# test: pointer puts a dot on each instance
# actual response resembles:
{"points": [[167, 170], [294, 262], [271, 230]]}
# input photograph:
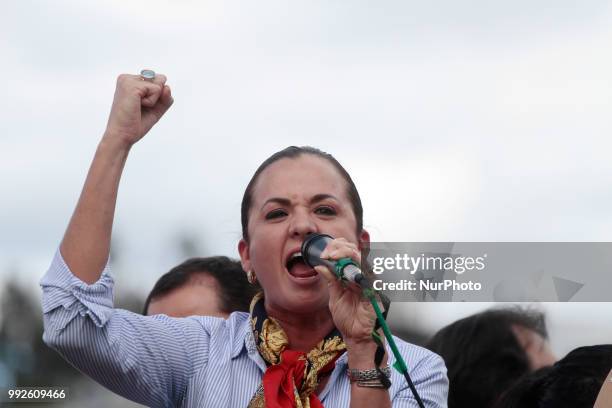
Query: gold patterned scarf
{"points": [[292, 377]]}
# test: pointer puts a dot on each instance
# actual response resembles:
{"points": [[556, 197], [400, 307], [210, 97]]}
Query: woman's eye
{"points": [[325, 211], [275, 214]]}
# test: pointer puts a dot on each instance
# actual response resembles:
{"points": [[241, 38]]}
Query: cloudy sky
{"points": [[459, 121]]}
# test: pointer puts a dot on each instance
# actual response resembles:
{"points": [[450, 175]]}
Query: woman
{"points": [[304, 333]]}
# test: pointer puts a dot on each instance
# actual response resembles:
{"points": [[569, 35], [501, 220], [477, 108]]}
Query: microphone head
{"points": [[312, 247]]}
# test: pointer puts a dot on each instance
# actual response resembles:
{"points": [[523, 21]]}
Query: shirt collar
{"points": [[242, 335], [243, 339]]}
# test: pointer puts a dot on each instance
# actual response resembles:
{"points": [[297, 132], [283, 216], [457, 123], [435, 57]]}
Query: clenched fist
{"points": [[137, 106]]}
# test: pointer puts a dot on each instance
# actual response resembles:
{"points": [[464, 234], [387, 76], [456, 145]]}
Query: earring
{"points": [[251, 277]]}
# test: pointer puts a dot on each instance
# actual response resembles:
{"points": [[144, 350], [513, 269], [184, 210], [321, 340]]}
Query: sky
{"points": [[458, 121]]}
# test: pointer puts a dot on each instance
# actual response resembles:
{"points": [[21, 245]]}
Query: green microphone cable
{"points": [[347, 270], [400, 364]]}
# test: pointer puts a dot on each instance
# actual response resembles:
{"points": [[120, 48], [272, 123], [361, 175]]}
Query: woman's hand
{"points": [[353, 315], [137, 106]]}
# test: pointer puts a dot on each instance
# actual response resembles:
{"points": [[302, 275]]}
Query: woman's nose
{"points": [[302, 225]]}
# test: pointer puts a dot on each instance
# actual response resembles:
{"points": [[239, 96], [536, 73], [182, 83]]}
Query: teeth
{"points": [[295, 255]]}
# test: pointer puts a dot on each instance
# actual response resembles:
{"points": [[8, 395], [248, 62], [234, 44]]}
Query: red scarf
{"points": [[292, 377]]}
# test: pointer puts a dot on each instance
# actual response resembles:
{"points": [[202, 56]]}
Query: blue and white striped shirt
{"points": [[161, 361]]}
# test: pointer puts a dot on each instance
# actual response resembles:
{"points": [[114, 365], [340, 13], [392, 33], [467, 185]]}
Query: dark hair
{"points": [[574, 381], [293, 152], [483, 355], [235, 292]]}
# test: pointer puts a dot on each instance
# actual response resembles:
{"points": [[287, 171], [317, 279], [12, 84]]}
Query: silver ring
{"points": [[147, 75]]}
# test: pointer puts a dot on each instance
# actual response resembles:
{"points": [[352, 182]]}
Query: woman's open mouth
{"points": [[298, 268]]}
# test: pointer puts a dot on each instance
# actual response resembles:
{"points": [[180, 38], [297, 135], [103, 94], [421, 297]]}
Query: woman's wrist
{"points": [[114, 142], [361, 354]]}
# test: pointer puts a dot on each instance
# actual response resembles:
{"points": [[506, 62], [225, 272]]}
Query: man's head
{"points": [[212, 286], [488, 352]]}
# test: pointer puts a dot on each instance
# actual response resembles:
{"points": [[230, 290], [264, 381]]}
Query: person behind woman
{"points": [[305, 329], [211, 286], [572, 382], [487, 352]]}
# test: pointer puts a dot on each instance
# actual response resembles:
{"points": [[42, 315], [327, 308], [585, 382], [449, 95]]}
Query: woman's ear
{"points": [[364, 247], [364, 244], [245, 259], [364, 239]]}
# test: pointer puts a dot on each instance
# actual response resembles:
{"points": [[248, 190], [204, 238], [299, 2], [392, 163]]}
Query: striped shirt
{"points": [[160, 361]]}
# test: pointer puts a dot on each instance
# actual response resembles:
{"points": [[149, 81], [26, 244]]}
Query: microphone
{"points": [[344, 268]]}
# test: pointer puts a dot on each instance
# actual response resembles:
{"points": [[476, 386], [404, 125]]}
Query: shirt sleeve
{"points": [[430, 380], [147, 359]]}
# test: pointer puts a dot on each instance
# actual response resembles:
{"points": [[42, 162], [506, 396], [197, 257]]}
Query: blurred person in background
{"points": [[488, 352], [572, 382], [212, 286]]}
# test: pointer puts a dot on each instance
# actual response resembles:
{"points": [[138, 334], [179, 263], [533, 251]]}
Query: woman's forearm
{"points": [[86, 243], [137, 106]]}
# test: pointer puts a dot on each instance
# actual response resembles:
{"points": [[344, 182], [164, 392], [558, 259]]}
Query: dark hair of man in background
{"points": [[233, 290], [484, 353], [573, 382]]}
